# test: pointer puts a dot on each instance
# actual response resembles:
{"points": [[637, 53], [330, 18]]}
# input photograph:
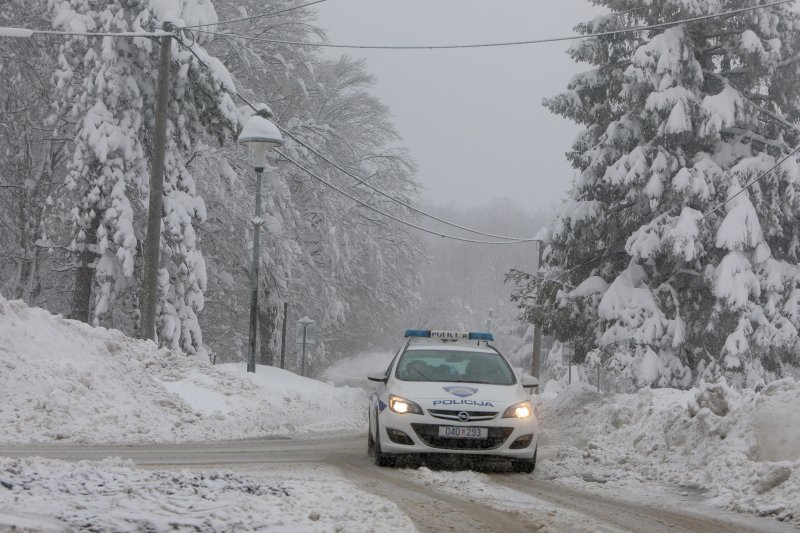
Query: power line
{"points": [[504, 43], [383, 213], [255, 17], [25, 32], [398, 200], [773, 167], [511, 240]]}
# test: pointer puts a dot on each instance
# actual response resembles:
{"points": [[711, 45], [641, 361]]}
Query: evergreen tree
{"points": [[108, 86], [677, 120]]}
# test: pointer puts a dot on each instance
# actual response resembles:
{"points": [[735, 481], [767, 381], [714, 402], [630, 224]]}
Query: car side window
{"points": [[396, 355]]}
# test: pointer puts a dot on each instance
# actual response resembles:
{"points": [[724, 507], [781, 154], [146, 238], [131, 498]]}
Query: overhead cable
{"points": [[383, 213], [763, 174], [511, 240], [504, 43], [25, 32], [398, 200], [256, 17]]}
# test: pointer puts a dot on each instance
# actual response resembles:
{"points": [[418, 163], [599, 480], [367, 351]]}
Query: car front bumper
{"points": [[422, 432]]}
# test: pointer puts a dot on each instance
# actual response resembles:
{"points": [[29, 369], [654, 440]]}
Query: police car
{"points": [[453, 393]]}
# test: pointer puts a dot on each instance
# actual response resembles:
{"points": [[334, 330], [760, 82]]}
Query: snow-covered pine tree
{"points": [[677, 120], [107, 85]]}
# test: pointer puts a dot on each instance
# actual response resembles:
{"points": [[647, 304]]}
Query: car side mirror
{"points": [[379, 378], [529, 382]]}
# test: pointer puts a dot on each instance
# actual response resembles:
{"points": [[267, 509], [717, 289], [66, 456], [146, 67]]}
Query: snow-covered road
{"points": [[433, 500]]}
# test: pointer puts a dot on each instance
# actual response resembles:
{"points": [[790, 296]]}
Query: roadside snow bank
{"points": [[353, 371], [112, 495], [740, 446], [62, 380]]}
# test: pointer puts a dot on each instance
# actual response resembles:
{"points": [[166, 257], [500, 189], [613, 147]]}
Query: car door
{"points": [[379, 391]]}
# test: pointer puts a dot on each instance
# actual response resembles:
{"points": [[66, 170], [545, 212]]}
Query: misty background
{"points": [[472, 118]]}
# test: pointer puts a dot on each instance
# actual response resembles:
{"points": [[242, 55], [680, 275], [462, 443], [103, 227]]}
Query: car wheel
{"points": [[525, 466], [381, 459], [370, 441]]}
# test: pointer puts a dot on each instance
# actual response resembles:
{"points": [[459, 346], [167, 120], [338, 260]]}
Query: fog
{"points": [[472, 118]]}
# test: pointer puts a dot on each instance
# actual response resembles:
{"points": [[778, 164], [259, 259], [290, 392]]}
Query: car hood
{"points": [[458, 395]]}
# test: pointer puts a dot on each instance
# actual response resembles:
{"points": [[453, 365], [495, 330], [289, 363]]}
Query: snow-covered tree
{"points": [[107, 86], [346, 267], [32, 154], [677, 120]]}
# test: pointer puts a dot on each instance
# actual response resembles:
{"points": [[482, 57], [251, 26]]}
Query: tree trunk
{"points": [[267, 318], [84, 278]]}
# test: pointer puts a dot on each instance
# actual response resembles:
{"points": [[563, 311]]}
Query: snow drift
{"points": [[111, 495], [62, 380], [738, 446]]}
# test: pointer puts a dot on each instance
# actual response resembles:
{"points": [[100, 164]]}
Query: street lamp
{"points": [[260, 135]]}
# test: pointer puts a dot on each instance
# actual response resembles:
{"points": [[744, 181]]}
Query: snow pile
{"points": [[354, 370], [45, 495], [739, 446], [62, 380]]}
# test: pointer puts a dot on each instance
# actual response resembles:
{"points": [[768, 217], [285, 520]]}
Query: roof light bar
{"points": [[450, 335]]}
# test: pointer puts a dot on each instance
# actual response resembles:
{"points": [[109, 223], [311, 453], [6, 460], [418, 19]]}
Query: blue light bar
{"points": [[480, 336], [418, 333]]}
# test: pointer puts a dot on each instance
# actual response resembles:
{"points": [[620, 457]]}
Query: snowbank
{"points": [[62, 380], [44, 495], [354, 370], [739, 446]]}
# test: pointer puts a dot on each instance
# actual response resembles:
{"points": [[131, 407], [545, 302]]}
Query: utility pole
{"points": [[537, 328], [283, 335], [152, 244]]}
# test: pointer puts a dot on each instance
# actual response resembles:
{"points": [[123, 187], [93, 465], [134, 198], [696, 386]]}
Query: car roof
{"points": [[450, 347]]}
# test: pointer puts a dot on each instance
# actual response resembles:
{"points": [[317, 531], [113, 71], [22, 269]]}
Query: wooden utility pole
{"points": [[537, 328], [152, 245]]}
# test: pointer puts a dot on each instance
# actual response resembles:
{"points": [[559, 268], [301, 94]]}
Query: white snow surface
{"points": [[737, 447], [111, 495], [354, 370], [62, 380]]}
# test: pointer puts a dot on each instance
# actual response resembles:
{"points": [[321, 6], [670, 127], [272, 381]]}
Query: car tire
{"points": [[525, 466], [370, 441], [381, 459]]}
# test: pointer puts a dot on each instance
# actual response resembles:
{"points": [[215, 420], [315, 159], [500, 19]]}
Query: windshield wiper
{"points": [[421, 374]]}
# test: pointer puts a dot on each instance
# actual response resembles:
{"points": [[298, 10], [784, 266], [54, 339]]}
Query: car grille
{"points": [[429, 433], [448, 414]]}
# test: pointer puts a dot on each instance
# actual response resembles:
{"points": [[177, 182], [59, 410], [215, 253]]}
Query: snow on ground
{"points": [[738, 447], [62, 380], [111, 495], [479, 487], [354, 370]]}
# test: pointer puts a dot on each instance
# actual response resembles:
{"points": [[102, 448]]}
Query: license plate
{"points": [[461, 432]]}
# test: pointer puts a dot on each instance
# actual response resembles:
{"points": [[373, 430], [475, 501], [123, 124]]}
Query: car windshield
{"points": [[454, 366]]}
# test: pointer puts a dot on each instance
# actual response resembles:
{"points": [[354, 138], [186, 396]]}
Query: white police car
{"points": [[452, 393]]}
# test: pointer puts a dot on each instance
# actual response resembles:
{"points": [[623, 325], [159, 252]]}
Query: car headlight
{"points": [[402, 406], [520, 410]]}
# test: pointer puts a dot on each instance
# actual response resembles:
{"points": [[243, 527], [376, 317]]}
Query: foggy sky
{"points": [[472, 119]]}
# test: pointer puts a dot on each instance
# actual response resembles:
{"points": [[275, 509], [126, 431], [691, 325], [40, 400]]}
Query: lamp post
{"points": [[260, 135]]}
